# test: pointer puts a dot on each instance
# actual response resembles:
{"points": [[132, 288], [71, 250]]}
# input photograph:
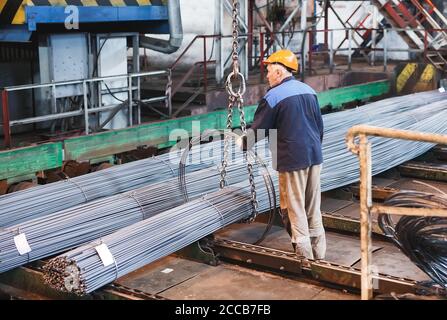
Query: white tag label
{"points": [[441, 89], [167, 270], [105, 254], [22, 244]]}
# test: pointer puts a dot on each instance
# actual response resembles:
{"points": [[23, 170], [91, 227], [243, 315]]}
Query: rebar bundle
{"points": [[149, 240], [66, 229], [46, 199], [82, 270], [63, 230], [42, 200], [341, 168]]}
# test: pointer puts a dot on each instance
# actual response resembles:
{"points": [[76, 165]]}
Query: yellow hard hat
{"points": [[285, 57]]}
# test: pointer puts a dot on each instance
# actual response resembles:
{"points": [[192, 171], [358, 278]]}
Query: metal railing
{"points": [[205, 61], [267, 39], [86, 109], [363, 150]]}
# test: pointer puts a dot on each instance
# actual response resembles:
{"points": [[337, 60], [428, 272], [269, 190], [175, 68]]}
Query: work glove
{"points": [[241, 142]]}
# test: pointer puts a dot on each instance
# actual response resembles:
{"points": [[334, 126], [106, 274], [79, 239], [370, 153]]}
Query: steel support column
{"points": [[6, 126]]}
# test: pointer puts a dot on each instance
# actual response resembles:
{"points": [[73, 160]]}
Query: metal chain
{"points": [[224, 163], [251, 178], [168, 92], [235, 98], [235, 54]]}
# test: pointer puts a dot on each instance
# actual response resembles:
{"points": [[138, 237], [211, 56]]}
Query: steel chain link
{"points": [[235, 98], [168, 91], [223, 170]]}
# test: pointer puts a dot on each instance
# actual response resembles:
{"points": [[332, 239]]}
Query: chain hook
{"points": [[236, 98], [229, 85]]}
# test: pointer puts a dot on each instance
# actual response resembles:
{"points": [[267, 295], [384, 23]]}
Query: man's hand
{"points": [[241, 142]]}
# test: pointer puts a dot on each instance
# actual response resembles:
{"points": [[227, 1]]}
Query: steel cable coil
{"points": [[422, 239]]}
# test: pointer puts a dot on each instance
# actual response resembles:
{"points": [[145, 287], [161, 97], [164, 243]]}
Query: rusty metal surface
{"points": [[352, 211], [3, 186], [350, 277], [431, 171], [340, 223], [343, 256], [382, 182], [230, 282], [367, 130], [378, 193], [163, 274], [344, 250], [259, 255], [247, 233], [330, 205], [11, 293], [341, 249], [363, 150], [27, 282], [320, 270], [390, 260], [422, 185], [440, 152]]}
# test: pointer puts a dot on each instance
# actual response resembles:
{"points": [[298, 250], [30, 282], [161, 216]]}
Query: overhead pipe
{"points": [[175, 32]]}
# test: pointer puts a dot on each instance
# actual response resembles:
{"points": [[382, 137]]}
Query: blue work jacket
{"points": [[292, 108]]}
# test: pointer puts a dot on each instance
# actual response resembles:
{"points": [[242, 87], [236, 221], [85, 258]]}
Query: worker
{"points": [[291, 108]]}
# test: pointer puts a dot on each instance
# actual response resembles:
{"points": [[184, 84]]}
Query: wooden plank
{"points": [[28, 160]]}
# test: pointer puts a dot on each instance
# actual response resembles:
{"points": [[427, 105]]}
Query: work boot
{"points": [[303, 251], [319, 246], [299, 256]]}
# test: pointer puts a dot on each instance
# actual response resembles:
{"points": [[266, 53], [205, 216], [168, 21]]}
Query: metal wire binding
{"points": [[79, 187]]}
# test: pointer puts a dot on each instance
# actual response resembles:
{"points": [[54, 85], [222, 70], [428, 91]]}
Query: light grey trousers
{"points": [[300, 196]]}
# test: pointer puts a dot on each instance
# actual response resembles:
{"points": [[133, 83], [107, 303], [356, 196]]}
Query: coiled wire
{"points": [[422, 239]]}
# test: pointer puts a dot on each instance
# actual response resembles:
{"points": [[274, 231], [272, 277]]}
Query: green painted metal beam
{"points": [[157, 134], [339, 96], [24, 161], [28, 160]]}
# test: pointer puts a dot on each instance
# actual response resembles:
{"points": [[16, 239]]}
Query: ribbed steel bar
{"points": [[81, 270], [48, 235], [54, 233], [46, 199]]}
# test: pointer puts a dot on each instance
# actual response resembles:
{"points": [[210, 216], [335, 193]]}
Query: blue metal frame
{"points": [[49, 14], [14, 33]]}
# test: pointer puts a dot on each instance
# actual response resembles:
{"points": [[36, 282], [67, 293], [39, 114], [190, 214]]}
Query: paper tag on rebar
{"points": [[22, 244], [105, 255], [167, 270]]}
